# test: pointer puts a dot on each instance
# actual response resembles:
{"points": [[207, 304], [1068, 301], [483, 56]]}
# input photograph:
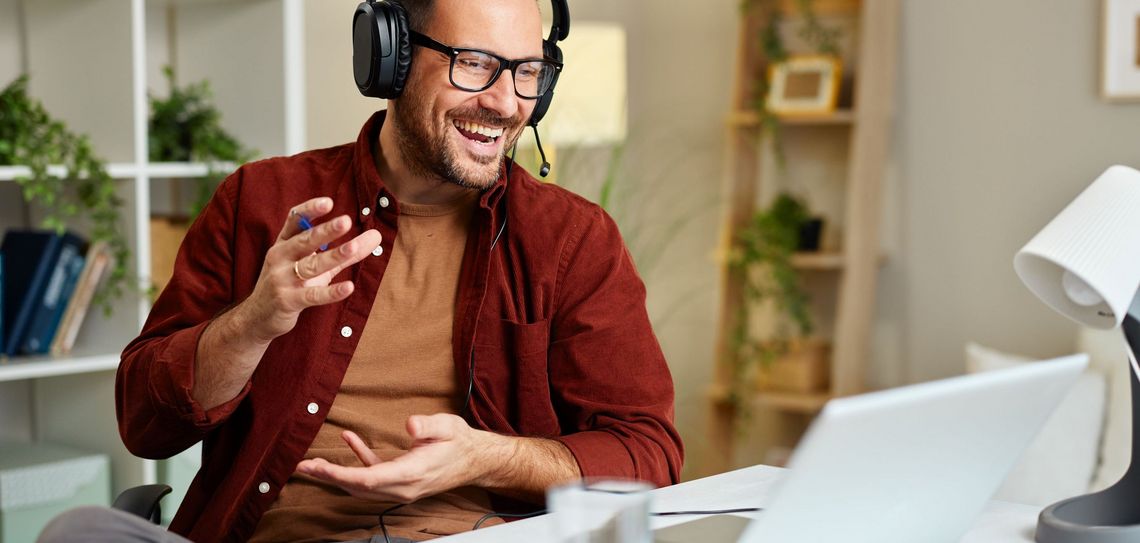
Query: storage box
{"points": [[804, 368], [39, 481]]}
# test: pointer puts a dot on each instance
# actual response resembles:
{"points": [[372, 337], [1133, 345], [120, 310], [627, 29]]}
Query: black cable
{"points": [[384, 528], [713, 512], [489, 516]]}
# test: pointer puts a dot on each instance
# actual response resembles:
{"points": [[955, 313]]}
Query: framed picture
{"points": [[1120, 51], [804, 85]]}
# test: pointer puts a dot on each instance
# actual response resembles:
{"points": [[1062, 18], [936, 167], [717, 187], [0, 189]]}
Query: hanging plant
{"points": [[30, 137], [762, 255], [823, 39], [187, 127]]}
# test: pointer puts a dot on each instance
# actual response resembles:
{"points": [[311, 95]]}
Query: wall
{"points": [[999, 126], [679, 84]]}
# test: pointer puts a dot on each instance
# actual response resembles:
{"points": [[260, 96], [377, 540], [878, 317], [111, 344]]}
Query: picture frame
{"points": [[804, 85], [1120, 51]]}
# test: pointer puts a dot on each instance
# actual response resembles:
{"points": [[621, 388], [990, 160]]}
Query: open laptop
{"points": [[915, 463]]}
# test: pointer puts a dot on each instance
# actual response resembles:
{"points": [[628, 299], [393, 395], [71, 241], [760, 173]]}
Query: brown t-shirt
{"points": [[402, 367]]}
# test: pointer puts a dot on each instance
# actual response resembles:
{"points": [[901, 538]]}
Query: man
{"points": [[467, 340]]}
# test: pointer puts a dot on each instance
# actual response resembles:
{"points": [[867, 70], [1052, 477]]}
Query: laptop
{"points": [[915, 463]]}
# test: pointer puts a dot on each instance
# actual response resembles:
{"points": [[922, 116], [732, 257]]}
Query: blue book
{"points": [[1, 302], [29, 258], [68, 266]]}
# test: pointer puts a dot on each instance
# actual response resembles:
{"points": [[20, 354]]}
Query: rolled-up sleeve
{"points": [[608, 374], [157, 415]]}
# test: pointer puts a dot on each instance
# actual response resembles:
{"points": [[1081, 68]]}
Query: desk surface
{"points": [[750, 487]]}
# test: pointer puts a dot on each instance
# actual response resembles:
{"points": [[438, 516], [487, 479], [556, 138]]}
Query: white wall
{"points": [[999, 126]]}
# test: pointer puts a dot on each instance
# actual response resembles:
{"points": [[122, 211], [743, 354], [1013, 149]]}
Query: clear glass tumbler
{"points": [[601, 511]]}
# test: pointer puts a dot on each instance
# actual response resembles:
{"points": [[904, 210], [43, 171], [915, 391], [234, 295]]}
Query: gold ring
{"points": [[297, 271]]}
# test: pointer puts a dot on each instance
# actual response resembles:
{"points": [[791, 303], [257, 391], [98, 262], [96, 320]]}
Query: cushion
{"points": [[1108, 354], [1060, 462]]}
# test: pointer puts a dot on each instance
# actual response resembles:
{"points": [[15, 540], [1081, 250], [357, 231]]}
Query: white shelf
{"points": [[130, 170], [36, 367]]}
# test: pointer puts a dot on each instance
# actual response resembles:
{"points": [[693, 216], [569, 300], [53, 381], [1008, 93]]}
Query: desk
{"points": [[751, 487]]}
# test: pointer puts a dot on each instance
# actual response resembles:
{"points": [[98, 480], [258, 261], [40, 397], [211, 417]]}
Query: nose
{"points": [[501, 97]]}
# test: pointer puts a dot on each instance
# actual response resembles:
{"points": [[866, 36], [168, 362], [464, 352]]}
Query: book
{"points": [[96, 265], [68, 265], [29, 256], [1, 303]]}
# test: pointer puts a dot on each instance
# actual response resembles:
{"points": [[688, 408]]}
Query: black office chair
{"points": [[143, 501]]}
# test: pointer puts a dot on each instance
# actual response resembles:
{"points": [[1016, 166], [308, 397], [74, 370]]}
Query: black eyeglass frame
{"points": [[504, 64]]}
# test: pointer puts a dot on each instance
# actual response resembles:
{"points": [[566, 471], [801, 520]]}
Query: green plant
{"points": [[29, 136], [187, 127], [824, 39], [762, 255]]}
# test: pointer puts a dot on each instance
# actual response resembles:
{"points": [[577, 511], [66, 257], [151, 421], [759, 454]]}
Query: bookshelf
{"points": [[255, 53], [837, 161]]}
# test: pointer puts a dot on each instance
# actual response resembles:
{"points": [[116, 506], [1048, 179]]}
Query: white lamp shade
{"points": [[1096, 239], [589, 106]]}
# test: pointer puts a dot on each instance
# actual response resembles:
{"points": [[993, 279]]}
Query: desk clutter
{"points": [[39, 481]]}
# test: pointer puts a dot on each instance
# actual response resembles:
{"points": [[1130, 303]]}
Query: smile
{"points": [[476, 132]]}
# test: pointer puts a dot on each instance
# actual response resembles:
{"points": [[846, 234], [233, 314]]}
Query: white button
{"points": [[263, 488], [313, 408], [379, 250], [346, 331], [366, 211], [384, 202]]}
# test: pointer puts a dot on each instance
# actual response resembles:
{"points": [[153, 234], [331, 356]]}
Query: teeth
{"points": [[479, 129]]}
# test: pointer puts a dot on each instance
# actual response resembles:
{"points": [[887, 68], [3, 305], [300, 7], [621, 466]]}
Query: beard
{"points": [[431, 153]]}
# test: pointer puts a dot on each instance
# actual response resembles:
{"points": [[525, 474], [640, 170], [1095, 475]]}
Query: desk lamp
{"points": [[1085, 264]]}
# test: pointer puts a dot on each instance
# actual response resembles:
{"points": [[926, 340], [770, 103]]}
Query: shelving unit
{"points": [[839, 160], [255, 53]]}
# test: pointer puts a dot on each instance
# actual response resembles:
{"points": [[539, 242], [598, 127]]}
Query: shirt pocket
{"points": [[511, 375]]}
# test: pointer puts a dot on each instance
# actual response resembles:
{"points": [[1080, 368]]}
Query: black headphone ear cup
{"points": [[551, 51], [379, 28], [403, 50]]}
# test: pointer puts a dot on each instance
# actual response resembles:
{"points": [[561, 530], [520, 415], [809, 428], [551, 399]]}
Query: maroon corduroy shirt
{"points": [[552, 320]]}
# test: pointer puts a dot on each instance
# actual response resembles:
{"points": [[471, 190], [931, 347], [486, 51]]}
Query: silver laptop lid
{"points": [[915, 463]]}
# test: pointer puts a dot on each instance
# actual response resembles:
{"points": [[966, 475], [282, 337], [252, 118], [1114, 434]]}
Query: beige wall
{"points": [[999, 126], [679, 89]]}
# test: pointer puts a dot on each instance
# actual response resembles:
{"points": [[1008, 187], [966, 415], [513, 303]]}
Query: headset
{"points": [[382, 50]]}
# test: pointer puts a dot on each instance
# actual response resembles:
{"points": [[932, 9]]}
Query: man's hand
{"points": [[448, 454], [295, 276]]}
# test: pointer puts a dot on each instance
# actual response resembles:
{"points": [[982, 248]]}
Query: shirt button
{"points": [[379, 250], [346, 331], [366, 211], [263, 488], [384, 202], [313, 408]]}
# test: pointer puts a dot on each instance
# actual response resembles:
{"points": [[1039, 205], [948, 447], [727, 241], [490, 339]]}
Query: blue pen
{"points": [[306, 225]]}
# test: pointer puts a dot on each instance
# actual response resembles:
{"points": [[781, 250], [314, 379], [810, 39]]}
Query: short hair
{"points": [[419, 13]]}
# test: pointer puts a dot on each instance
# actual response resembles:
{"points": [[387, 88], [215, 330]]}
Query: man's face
{"points": [[436, 122]]}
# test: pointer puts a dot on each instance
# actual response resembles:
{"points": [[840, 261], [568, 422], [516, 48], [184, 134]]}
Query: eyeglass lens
{"points": [[474, 71]]}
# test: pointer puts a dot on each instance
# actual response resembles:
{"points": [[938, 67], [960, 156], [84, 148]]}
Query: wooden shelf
{"points": [[790, 402], [130, 170], [35, 367], [824, 261], [751, 119]]}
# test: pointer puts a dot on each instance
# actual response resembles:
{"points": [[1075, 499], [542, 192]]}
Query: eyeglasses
{"points": [[474, 70]]}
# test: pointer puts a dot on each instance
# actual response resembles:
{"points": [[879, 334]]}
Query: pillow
{"points": [[1060, 462], [1108, 354]]}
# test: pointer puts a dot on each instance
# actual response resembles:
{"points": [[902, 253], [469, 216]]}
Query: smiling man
{"points": [[469, 338]]}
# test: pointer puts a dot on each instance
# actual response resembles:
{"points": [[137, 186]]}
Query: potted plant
{"points": [[783, 356], [29, 136]]}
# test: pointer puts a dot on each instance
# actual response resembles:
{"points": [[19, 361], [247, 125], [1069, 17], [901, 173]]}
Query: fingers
{"points": [[441, 427], [363, 452], [332, 262], [308, 241], [311, 209]]}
